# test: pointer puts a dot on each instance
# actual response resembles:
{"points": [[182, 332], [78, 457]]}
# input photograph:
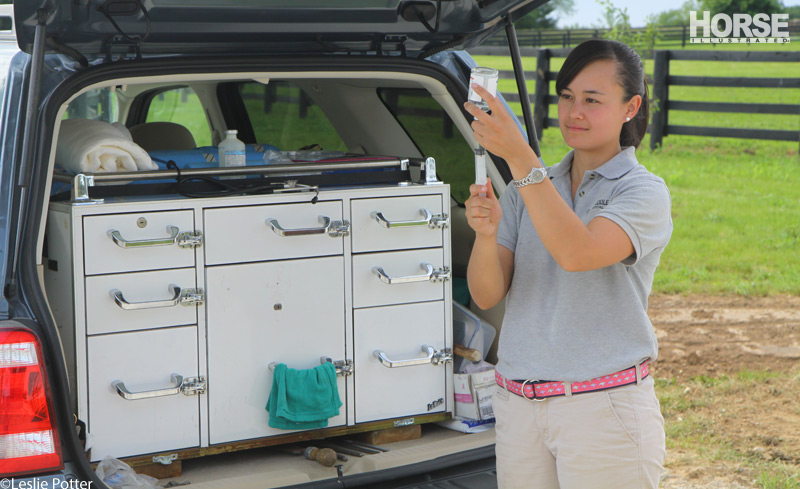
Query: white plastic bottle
{"points": [[231, 150]]}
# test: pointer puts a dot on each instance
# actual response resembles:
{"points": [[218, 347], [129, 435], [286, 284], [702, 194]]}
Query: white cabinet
{"points": [[214, 290], [288, 312]]}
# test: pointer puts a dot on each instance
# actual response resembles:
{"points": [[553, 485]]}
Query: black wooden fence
{"points": [[662, 104], [662, 80], [664, 36]]}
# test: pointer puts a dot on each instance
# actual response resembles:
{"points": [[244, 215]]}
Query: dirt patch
{"points": [[704, 342], [724, 335]]}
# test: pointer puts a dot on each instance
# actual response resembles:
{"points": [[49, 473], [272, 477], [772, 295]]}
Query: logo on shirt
{"points": [[600, 204]]}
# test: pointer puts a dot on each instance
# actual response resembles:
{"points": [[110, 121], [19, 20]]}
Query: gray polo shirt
{"points": [[575, 326]]}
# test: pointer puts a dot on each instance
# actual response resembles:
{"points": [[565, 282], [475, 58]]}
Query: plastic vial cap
{"points": [[232, 132]]}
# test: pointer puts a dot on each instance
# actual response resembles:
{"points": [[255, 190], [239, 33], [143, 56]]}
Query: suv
{"points": [[172, 312]]}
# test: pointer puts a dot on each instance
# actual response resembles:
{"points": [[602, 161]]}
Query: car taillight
{"points": [[28, 437]]}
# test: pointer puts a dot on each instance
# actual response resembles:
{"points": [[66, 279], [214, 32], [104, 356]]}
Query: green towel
{"points": [[303, 399]]}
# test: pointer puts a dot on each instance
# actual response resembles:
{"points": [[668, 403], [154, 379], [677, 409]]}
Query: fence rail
{"points": [[662, 80], [665, 36]]}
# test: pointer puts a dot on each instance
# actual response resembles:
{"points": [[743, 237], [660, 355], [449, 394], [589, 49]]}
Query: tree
{"points": [[619, 29], [751, 7], [543, 17], [678, 16]]}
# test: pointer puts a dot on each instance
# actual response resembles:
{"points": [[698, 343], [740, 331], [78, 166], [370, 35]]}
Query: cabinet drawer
{"points": [[400, 332], [136, 241], [271, 232], [406, 270], [144, 300], [144, 362], [396, 223]]}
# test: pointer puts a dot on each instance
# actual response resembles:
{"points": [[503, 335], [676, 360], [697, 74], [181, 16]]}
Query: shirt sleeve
{"points": [[508, 231], [643, 210]]}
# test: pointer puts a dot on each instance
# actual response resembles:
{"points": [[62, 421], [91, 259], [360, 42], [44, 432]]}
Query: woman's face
{"points": [[591, 110]]}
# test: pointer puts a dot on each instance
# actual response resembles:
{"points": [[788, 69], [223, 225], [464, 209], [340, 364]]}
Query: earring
{"points": [[627, 119]]}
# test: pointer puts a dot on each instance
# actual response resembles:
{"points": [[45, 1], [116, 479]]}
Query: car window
{"points": [[284, 116], [433, 132], [182, 106], [99, 104]]}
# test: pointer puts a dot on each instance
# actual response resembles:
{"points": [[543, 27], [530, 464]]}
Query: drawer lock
{"points": [[193, 386], [339, 229], [190, 239], [192, 297]]}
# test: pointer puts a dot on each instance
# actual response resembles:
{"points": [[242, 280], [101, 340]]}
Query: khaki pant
{"points": [[610, 439]]}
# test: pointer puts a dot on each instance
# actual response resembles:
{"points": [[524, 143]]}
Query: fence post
{"points": [[540, 104], [303, 103], [683, 36], [658, 129], [270, 94]]}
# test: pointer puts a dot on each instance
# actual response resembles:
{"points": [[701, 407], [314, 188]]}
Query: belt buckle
{"points": [[534, 398]]}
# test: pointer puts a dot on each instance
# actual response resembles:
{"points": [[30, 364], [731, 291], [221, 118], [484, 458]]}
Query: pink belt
{"points": [[539, 390]]}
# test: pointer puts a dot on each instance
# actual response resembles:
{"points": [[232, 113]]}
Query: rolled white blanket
{"points": [[87, 146]]}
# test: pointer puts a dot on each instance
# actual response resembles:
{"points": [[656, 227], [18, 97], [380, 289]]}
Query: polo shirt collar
{"points": [[616, 167]]}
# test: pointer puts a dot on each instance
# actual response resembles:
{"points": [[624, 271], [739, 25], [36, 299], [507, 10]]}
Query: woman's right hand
{"points": [[483, 213]]}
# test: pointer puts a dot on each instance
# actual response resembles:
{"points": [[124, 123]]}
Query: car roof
{"points": [[401, 27]]}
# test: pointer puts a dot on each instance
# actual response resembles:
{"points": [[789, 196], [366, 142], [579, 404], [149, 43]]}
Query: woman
{"points": [[573, 250]]}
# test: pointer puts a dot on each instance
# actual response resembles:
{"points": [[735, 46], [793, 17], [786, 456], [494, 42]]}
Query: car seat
{"points": [[159, 136]]}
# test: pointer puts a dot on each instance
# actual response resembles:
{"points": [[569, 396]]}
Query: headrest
{"points": [[159, 136]]}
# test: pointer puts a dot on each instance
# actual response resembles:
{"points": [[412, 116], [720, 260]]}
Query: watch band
{"points": [[537, 175]]}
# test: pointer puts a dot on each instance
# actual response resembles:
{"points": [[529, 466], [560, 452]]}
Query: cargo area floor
{"points": [[267, 467]]}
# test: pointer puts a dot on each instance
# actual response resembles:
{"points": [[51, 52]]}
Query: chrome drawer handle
{"points": [[141, 243], [429, 219], [130, 306], [432, 357], [430, 275], [123, 391], [280, 231]]}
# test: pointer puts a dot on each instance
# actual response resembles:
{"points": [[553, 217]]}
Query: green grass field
{"points": [[736, 203]]}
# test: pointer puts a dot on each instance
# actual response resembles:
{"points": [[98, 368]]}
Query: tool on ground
{"points": [[324, 456]]}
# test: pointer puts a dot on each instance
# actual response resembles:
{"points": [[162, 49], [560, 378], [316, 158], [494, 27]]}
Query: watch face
{"points": [[537, 175]]}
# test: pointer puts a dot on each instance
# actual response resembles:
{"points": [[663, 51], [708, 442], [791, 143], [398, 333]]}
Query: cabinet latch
{"points": [[439, 221], [339, 229], [192, 297], [190, 239], [442, 356], [440, 274], [343, 367], [193, 386]]}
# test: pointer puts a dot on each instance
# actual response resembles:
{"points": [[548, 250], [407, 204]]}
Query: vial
{"points": [[485, 77]]}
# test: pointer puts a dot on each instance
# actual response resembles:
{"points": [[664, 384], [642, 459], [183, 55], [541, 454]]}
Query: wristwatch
{"points": [[537, 175]]}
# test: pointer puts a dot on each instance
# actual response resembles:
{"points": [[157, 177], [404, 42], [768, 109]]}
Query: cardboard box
{"points": [[473, 395]]}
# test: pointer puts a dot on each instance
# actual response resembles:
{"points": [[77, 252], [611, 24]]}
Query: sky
{"points": [[589, 13]]}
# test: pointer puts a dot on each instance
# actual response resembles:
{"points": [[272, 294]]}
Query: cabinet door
{"points": [[288, 312], [398, 331], [144, 361]]}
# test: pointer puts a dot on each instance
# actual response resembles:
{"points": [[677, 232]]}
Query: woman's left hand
{"points": [[499, 134]]}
